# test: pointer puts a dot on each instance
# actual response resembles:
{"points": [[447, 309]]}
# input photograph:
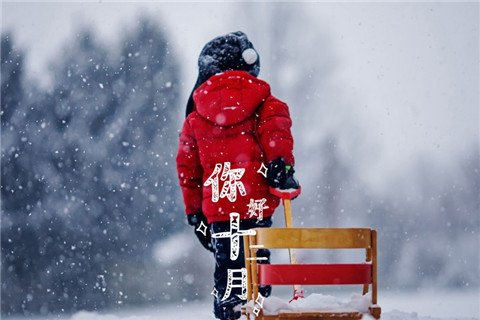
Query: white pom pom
{"points": [[250, 56]]}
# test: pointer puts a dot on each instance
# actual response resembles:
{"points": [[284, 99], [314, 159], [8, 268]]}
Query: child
{"points": [[233, 127]]}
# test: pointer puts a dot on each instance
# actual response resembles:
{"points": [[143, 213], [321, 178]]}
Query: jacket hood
{"points": [[230, 97]]}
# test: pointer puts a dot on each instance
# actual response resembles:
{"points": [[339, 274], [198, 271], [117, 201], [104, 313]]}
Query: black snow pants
{"points": [[228, 286]]}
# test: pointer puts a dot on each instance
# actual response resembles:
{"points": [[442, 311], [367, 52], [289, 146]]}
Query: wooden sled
{"points": [[364, 273]]}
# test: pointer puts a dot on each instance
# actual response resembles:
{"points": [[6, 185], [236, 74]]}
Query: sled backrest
{"points": [[313, 238], [364, 273]]}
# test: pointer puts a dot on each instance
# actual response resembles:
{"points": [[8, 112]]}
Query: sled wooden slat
{"points": [[312, 316], [314, 274], [318, 238], [363, 273], [316, 316]]}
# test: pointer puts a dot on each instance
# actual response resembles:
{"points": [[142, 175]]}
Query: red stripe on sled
{"points": [[312, 274]]}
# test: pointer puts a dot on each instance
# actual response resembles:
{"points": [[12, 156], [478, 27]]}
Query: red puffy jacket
{"points": [[236, 126]]}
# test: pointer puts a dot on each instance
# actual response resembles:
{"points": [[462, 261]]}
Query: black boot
{"points": [[229, 309]]}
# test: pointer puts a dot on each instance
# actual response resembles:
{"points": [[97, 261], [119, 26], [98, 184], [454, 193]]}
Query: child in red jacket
{"points": [[235, 144]]}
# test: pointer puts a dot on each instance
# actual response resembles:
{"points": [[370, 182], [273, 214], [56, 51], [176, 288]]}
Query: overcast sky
{"points": [[413, 67]]}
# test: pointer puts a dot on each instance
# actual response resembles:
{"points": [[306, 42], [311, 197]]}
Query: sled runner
{"points": [[363, 273]]}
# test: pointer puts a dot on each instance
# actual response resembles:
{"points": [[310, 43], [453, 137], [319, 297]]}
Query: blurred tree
{"points": [[88, 183], [21, 188], [12, 63]]}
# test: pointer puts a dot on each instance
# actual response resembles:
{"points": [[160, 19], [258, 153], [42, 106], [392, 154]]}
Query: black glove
{"points": [[196, 220], [281, 176]]}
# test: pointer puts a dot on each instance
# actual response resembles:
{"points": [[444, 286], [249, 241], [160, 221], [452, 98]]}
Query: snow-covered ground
{"points": [[406, 305]]}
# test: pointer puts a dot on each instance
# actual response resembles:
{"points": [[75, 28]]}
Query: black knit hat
{"points": [[232, 51]]}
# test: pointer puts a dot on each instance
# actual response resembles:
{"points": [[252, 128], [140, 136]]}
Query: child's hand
{"points": [[202, 231], [281, 176]]}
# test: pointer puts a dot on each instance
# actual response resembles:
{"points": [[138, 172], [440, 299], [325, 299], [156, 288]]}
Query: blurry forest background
{"points": [[92, 217]]}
